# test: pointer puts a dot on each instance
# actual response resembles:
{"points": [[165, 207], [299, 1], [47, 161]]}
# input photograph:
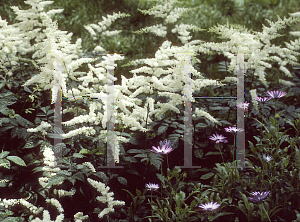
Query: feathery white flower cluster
{"points": [[242, 41], [11, 202], [102, 26], [49, 161], [47, 218], [78, 217], [41, 128], [253, 96], [55, 203], [106, 197], [183, 33], [90, 166], [64, 193], [287, 83], [200, 113], [87, 130]]}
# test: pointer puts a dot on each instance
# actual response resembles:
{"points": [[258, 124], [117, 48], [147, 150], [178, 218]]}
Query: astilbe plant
{"points": [[51, 179]]}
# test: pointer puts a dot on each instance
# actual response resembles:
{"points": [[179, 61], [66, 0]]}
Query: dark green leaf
{"points": [[17, 160], [122, 180], [4, 154], [207, 176], [162, 129]]}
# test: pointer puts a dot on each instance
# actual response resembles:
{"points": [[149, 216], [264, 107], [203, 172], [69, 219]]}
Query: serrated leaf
{"points": [[78, 155], [56, 180], [140, 155], [162, 129], [207, 176], [30, 144], [122, 180], [17, 160], [179, 131], [201, 125], [79, 176], [101, 175], [4, 154]]}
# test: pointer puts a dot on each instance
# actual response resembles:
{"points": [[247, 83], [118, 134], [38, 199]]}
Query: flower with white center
{"points": [[267, 158], [164, 149], [152, 186], [218, 138], [209, 206]]}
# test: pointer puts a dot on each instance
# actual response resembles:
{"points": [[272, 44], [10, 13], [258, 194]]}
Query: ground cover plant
{"points": [[38, 60]]}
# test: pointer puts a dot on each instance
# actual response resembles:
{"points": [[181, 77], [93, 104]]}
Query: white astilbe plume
{"points": [[55, 203], [286, 83], [167, 10], [46, 218], [64, 193], [40, 128], [201, 113], [11, 202], [78, 217], [253, 96], [256, 46], [90, 166], [49, 168], [102, 26], [10, 41], [105, 198]]}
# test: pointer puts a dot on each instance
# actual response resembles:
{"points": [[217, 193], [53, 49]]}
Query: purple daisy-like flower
{"points": [[152, 186], [276, 94], [218, 138], [163, 149], [167, 143], [257, 196], [209, 206], [243, 105], [233, 129], [262, 99], [267, 158]]}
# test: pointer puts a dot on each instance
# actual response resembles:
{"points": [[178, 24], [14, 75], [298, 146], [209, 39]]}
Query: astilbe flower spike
{"points": [[258, 196], [276, 94], [218, 138]]}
